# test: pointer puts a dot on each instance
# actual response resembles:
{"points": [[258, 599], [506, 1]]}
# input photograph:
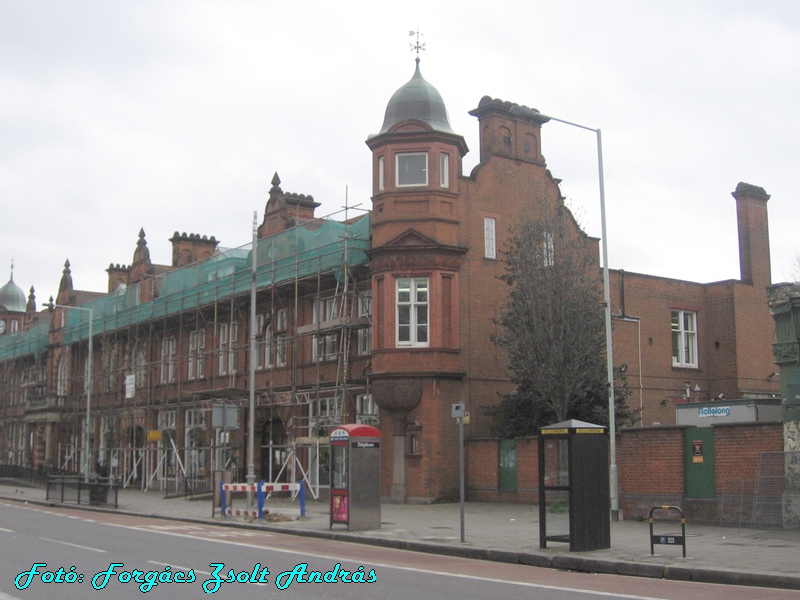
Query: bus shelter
{"points": [[574, 497]]}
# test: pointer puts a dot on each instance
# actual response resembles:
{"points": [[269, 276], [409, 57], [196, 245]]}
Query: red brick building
{"points": [[687, 342], [384, 319]]}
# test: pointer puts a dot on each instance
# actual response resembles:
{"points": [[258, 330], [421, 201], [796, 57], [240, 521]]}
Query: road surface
{"points": [[69, 554]]}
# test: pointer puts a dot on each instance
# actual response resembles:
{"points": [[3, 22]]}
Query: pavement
{"points": [[503, 532]]}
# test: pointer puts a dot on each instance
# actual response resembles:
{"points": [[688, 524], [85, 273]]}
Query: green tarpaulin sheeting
{"points": [[315, 247]]}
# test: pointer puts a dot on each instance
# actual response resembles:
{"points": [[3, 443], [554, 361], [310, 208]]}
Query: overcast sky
{"points": [[173, 116]]}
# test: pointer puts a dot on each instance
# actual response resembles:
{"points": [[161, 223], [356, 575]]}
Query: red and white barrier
{"points": [[260, 489], [263, 486]]}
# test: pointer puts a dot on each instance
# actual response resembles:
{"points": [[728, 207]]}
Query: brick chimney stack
{"points": [[751, 214]]}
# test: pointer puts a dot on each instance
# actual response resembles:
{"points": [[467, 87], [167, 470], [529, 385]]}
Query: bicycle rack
{"points": [[669, 539]]}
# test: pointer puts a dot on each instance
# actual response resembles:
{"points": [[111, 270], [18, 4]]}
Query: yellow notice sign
{"points": [[154, 435], [594, 430], [554, 431]]}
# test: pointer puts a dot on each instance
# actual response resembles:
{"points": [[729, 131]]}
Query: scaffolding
{"points": [[151, 358]]}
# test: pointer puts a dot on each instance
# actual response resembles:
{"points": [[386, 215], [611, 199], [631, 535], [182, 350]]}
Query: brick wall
{"points": [[483, 470], [650, 465], [737, 449], [650, 461]]}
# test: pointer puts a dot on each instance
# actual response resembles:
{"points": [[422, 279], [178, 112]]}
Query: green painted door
{"points": [[508, 465], [699, 461]]}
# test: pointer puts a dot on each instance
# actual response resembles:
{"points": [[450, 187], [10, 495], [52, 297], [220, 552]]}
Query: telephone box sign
{"points": [[355, 430], [366, 444]]}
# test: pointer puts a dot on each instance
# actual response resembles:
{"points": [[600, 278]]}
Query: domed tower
{"points": [[415, 261], [13, 305], [416, 161]]}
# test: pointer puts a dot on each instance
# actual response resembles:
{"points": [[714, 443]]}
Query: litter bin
{"points": [[98, 493]]}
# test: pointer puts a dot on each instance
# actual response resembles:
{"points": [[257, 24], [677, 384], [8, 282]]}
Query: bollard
{"points": [[261, 495], [222, 498]]}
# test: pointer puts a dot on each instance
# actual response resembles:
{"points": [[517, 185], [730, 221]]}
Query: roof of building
{"points": [[417, 100], [12, 298]]}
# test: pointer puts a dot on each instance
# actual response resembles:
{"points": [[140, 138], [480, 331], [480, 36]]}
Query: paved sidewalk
{"points": [[510, 533]]}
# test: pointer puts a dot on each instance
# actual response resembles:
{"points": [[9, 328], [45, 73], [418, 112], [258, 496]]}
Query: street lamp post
{"points": [[251, 473], [607, 301], [87, 429]]}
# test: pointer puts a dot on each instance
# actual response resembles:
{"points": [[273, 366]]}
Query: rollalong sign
{"points": [[714, 411]]}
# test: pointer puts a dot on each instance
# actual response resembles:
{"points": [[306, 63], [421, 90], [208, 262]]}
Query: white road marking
{"points": [[73, 545], [390, 566]]}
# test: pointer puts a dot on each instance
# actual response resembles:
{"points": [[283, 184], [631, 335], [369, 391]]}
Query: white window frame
{"points": [[365, 334], [490, 237], [228, 336], [139, 363], [412, 313], [223, 345], [381, 173], [684, 338], [197, 345], [168, 348], [326, 346], [261, 346], [367, 411], [167, 419], [62, 377], [268, 362], [194, 458], [280, 337], [323, 414], [399, 158], [444, 170]]}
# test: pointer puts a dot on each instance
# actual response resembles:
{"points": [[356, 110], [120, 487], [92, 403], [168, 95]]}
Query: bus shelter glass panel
{"points": [[556, 493]]}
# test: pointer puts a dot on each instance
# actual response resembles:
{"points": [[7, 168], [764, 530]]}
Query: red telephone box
{"points": [[355, 477]]}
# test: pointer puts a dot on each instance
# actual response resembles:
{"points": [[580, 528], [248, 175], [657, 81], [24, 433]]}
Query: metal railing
{"points": [[29, 475], [180, 486], [102, 491]]}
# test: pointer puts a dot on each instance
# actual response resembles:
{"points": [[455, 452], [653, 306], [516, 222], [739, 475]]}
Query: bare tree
{"points": [[553, 328]]}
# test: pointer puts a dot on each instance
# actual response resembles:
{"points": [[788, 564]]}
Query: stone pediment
{"points": [[412, 238]]}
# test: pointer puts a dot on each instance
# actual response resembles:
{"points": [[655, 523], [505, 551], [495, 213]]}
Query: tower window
{"points": [[381, 173], [412, 169], [412, 311], [444, 170]]}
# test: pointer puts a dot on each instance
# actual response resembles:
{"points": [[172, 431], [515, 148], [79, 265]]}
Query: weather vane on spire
{"points": [[416, 46]]}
